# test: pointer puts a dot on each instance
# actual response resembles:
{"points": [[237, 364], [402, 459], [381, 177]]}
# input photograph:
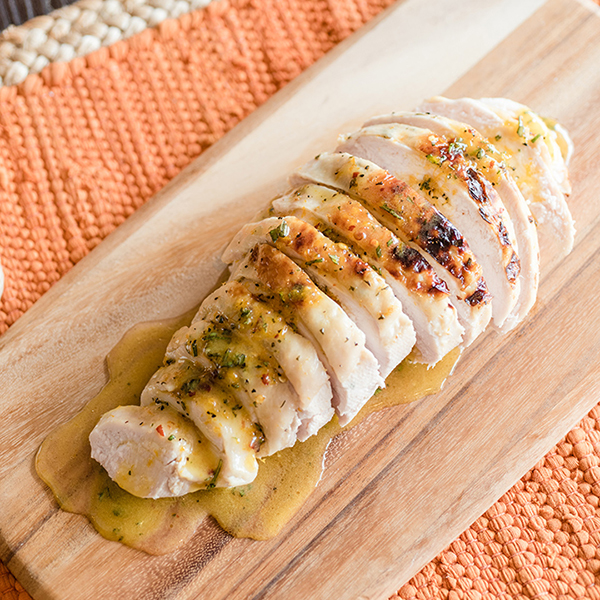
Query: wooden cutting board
{"points": [[407, 481]]}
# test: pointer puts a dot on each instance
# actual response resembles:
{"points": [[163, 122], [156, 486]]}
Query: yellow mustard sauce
{"points": [[258, 510]]}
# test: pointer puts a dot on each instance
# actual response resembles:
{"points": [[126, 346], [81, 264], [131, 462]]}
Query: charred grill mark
{"points": [[412, 261], [409, 258], [438, 286], [477, 186], [504, 239], [480, 295], [430, 229], [413, 264], [478, 190], [400, 260], [513, 268], [439, 236], [484, 214]]}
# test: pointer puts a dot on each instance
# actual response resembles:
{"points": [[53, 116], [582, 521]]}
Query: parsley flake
{"points": [[281, 231]]}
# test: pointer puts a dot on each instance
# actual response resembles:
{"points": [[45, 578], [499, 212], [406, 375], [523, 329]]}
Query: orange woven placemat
{"points": [[86, 143]]}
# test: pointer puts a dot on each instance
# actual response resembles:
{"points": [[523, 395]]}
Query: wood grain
{"points": [[405, 482]]}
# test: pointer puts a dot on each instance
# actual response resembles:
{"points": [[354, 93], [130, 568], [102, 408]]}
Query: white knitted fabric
{"points": [[79, 29]]}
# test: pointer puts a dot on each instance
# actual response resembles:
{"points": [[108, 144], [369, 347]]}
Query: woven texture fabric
{"points": [[85, 143], [15, 12], [79, 30]]}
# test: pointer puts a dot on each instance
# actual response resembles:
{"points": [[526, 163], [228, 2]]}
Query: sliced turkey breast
{"points": [[424, 296], [363, 294], [485, 158], [458, 191], [296, 356], [526, 157], [416, 222], [352, 368], [195, 392], [154, 452]]}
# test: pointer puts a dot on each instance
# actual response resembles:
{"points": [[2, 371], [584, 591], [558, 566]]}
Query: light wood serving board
{"points": [[407, 481]]}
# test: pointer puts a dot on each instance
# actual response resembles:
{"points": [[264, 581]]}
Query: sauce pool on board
{"points": [[258, 510]]}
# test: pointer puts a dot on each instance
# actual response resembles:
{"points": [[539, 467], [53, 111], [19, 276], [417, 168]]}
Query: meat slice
{"points": [[352, 368], [296, 356], [194, 392], [361, 292], [424, 296], [525, 157], [457, 190], [534, 125], [416, 222], [154, 452], [486, 159], [247, 370]]}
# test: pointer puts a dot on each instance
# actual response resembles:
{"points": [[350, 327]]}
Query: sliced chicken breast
{"points": [[525, 157], [424, 296], [458, 191], [352, 368], [195, 392], [416, 222], [363, 294], [246, 370], [154, 452], [464, 140], [296, 356], [522, 115]]}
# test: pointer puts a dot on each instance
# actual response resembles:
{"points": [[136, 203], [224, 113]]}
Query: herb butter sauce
{"points": [[258, 510]]}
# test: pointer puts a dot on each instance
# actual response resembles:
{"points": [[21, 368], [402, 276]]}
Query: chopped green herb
{"points": [[246, 316], [334, 259], [391, 211], [213, 482], [233, 359], [480, 153], [281, 231], [536, 138], [520, 129], [314, 261], [190, 387], [378, 251], [390, 242], [425, 184], [436, 160], [498, 137], [170, 438], [217, 335]]}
